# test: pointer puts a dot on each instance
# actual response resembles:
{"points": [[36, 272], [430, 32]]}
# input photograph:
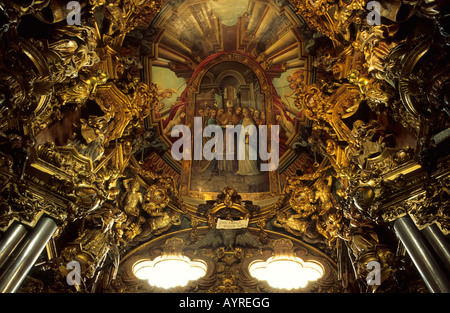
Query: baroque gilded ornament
{"points": [[361, 110]]}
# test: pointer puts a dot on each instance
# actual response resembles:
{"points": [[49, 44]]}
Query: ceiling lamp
{"points": [[284, 270], [169, 270]]}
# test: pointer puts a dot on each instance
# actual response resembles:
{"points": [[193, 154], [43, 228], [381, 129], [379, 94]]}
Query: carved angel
{"points": [[162, 221], [360, 236], [298, 225], [323, 193], [133, 197], [159, 222], [329, 225]]}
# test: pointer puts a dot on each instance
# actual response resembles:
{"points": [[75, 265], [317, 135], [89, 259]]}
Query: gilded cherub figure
{"points": [[298, 225], [229, 196], [155, 199], [329, 225], [162, 221], [133, 198], [323, 193]]}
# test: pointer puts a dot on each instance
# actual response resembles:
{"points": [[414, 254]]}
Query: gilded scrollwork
{"points": [[125, 111], [77, 124], [80, 92], [124, 16], [96, 240], [430, 206]]}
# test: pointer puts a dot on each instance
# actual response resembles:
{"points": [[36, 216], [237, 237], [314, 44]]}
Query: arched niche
{"points": [[254, 91]]}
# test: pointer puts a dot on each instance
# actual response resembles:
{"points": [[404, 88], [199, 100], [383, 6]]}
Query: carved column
{"points": [[433, 276], [18, 269], [10, 241], [439, 243]]}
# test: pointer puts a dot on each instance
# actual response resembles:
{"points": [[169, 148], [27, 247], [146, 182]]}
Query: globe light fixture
{"points": [[284, 270], [171, 269], [168, 271]]}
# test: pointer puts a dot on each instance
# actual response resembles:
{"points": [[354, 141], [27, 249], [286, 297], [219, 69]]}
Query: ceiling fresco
{"points": [[269, 32]]}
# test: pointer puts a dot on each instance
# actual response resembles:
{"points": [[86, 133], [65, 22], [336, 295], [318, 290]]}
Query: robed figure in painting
{"points": [[247, 159]]}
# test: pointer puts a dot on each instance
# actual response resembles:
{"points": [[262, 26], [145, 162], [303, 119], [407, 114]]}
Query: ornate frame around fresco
{"points": [[194, 88]]}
